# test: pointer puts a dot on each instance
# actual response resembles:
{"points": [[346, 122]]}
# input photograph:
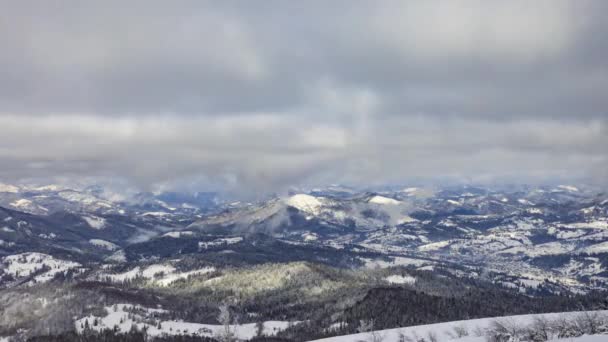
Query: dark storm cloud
{"points": [[268, 94]]}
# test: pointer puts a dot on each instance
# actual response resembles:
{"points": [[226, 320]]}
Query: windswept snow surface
{"points": [[118, 318], [476, 329]]}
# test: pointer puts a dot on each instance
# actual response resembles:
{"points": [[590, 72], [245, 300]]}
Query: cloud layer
{"points": [[266, 95]]}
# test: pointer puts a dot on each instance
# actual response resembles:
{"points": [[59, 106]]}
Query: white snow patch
{"points": [[568, 188], [305, 203], [596, 249], [434, 246], [399, 279], [8, 188], [27, 205], [27, 264], [453, 202], [123, 316], [219, 242], [159, 274], [118, 256], [589, 225], [95, 222], [445, 331], [104, 244], [384, 200], [178, 234]]}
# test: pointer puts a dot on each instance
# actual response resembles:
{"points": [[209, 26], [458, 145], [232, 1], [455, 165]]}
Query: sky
{"points": [[259, 96]]}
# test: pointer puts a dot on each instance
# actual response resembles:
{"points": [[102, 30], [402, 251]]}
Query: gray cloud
{"points": [[266, 95]]}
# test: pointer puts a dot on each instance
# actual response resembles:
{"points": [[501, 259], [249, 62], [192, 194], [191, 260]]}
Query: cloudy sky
{"points": [[261, 95]]}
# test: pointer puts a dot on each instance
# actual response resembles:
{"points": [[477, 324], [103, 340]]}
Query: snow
{"points": [[434, 246], [152, 271], [310, 237], [587, 225], [104, 244], [122, 277], [51, 187], [475, 328], [549, 248], [27, 205], [394, 261], [584, 338], [383, 200], [595, 249], [305, 203], [454, 202], [410, 190], [8, 188], [4, 243], [156, 214], [406, 219], [168, 327], [178, 234], [118, 256], [399, 279], [159, 274], [568, 188], [95, 222], [219, 242], [171, 278], [534, 211], [26, 264]]}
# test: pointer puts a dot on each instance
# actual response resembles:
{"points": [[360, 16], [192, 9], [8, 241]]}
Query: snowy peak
{"points": [[383, 200], [305, 203], [28, 206], [568, 188], [8, 188]]}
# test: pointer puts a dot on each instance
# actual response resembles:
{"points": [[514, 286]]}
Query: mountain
{"points": [[332, 257]]}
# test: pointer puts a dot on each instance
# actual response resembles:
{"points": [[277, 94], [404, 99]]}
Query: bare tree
{"points": [[259, 329], [460, 331], [504, 330], [367, 326], [227, 334]]}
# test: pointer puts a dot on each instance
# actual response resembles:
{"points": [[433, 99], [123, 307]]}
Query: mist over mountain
{"points": [[275, 171]]}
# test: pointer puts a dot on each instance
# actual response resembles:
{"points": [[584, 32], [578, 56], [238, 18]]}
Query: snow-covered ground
{"points": [[104, 244], [384, 200], [95, 222], [400, 279], [219, 242], [118, 318], [27, 264], [178, 234], [159, 274], [474, 330]]}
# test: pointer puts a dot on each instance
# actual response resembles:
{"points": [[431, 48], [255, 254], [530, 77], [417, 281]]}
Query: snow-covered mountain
{"points": [[522, 237]]}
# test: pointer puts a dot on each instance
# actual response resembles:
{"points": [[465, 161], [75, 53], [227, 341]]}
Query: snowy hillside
{"points": [[481, 330], [123, 317], [41, 267]]}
